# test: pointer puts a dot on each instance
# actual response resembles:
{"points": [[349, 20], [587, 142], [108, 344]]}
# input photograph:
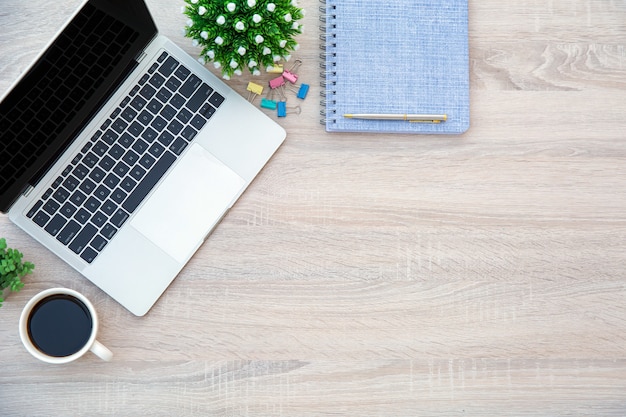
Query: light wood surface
{"points": [[363, 275]]}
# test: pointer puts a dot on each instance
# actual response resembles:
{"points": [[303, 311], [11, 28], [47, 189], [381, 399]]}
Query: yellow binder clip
{"points": [[254, 91]]}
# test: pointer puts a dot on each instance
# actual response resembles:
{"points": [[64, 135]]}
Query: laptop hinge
{"points": [[140, 57], [28, 190]]}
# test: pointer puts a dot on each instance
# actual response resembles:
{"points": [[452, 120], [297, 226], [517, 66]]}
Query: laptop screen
{"points": [[65, 87]]}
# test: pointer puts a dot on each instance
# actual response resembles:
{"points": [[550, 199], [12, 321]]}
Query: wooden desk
{"points": [[361, 275]]}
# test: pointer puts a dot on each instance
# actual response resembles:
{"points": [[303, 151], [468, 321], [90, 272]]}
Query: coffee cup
{"points": [[59, 325]]}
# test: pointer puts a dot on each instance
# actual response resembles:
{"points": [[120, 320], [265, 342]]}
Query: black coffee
{"points": [[59, 325]]}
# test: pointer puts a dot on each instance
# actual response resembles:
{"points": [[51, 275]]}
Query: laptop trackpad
{"points": [[189, 203]]}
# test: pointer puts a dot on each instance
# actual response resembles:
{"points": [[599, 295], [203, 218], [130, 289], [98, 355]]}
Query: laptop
{"points": [[121, 153]]}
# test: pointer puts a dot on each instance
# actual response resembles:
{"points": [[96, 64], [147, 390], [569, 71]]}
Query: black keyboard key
{"points": [[92, 204], [216, 99], [119, 125], [189, 133], [149, 134], [98, 243], [110, 136], [154, 106], [34, 209], [126, 140], [177, 101], [184, 116], [198, 121], [111, 181], [182, 73], [158, 123], [147, 92], [61, 195], [55, 225], [41, 218], [107, 162], [83, 238], [99, 219], [173, 84], [168, 67], [118, 195], [89, 255], [145, 117], [82, 216], [175, 127], [51, 207], [130, 158], [102, 193], [199, 97], [137, 172], [135, 129], [128, 184], [168, 112], [165, 138], [116, 153], [108, 231], [178, 146], [149, 181], [77, 198], [207, 110], [190, 86], [97, 175], [146, 161], [71, 183], [87, 186], [156, 150], [69, 232], [109, 207], [129, 114], [80, 171], [68, 210], [121, 169], [164, 95], [156, 80], [119, 218], [90, 160], [100, 148], [138, 103], [140, 146]]}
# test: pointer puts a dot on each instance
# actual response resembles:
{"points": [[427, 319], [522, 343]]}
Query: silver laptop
{"points": [[121, 153]]}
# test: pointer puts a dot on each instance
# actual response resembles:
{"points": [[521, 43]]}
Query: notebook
{"points": [[398, 57], [121, 153]]}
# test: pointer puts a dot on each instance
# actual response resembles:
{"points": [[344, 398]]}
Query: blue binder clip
{"points": [[282, 110], [301, 92]]}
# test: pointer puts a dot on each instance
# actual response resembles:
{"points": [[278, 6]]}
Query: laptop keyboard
{"points": [[113, 173]]}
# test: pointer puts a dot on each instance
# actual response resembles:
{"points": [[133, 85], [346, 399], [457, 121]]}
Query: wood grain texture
{"points": [[481, 274]]}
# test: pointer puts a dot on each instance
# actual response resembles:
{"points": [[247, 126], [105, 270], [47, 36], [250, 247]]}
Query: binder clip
{"points": [[277, 82], [254, 91], [282, 109], [301, 92], [268, 102], [290, 75], [275, 69]]}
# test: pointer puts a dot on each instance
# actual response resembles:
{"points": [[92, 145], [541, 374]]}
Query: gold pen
{"points": [[414, 118]]}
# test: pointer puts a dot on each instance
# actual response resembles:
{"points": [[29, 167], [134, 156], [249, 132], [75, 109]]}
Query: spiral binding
{"points": [[327, 45]]}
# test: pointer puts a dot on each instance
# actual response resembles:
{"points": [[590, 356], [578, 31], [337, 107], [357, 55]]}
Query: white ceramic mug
{"points": [[59, 325]]}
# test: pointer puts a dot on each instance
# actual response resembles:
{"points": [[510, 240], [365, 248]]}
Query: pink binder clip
{"points": [[277, 82], [289, 74]]}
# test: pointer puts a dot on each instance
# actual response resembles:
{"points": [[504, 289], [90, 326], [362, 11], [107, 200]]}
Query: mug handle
{"points": [[102, 351]]}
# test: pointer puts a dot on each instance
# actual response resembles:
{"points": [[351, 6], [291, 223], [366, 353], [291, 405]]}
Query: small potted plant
{"points": [[12, 269]]}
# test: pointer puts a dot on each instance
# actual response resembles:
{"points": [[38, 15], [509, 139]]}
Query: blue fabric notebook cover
{"points": [[401, 56]]}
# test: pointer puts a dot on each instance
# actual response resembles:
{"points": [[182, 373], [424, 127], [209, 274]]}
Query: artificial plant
{"points": [[12, 269], [243, 34]]}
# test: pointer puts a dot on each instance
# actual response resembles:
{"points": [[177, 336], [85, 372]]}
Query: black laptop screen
{"points": [[65, 87]]}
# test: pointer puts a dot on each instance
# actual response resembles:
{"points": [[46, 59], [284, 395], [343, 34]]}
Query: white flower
{"points": [[259, 39], [204, 35], [231, 7], [241, 51], [194, 1], [195, 43], [283, 43], [238, 72], [189, 23], [211, 54], [240, 26], [226, 77], [183, 9], [257, 18], [252, 64], [202, 60], [251, 3], [233, 64], [221, 20], [256, 72], [294, 3], [219, 40], [201, 10], [288, 17], [271, 7], [295, 26], [277, 58], [296, 47], [217, 64], [266, 51]]}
